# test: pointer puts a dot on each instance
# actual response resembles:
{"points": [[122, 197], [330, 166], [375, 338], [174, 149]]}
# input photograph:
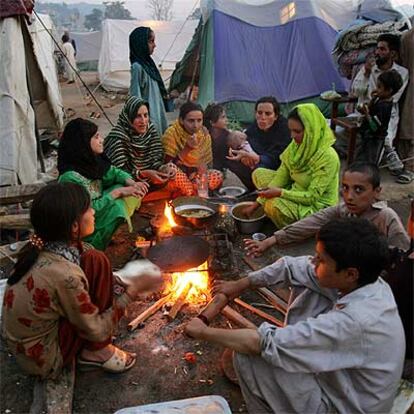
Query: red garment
{"points": [[98, 271], [10, 8]]}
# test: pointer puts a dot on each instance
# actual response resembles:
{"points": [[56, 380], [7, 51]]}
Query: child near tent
{"points": [[146, 80], [237, 140], [379, 114], [70, 61]]}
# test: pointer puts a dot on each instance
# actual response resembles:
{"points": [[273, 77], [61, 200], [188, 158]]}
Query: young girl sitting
{"points": [[59, 300], [114, 194]]}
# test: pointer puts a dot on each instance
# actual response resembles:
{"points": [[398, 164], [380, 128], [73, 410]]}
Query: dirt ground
{"points": [[161, 373]]}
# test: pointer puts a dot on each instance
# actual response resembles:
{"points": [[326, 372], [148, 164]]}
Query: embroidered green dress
{"points": [[308, 174], [109, 212]]}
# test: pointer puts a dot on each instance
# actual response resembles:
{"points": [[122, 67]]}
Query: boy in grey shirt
{"points": [[361, 187], [343, 348]]}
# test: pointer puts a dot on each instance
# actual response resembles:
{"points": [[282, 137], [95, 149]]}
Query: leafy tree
{"points": [[93, 21], [161, 9], [116, 10]]}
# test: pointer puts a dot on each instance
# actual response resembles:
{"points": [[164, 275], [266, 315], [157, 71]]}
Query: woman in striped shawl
{"points": [[134, 145]]}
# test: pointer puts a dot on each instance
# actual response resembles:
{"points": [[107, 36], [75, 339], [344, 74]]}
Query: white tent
{"points": [[171, 38], [88, 46], [29, 95]]}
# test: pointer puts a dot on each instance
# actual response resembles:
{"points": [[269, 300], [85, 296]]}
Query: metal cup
{"points": [[258, 236]]}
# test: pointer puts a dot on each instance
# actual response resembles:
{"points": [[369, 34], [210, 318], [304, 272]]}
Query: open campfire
{"points": [[191, 286]]}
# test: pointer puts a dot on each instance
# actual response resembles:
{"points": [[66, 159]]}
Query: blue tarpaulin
{"points": [[290, 61]]}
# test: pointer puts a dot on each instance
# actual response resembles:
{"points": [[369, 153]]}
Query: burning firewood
{"points": [[179, 302], [214, 307], [148, 312]]}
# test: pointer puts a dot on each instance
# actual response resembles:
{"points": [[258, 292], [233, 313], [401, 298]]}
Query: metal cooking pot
{"points": [[183, 207], [248, 225]]}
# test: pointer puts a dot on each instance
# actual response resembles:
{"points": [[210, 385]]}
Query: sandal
{"points": [[406, 177], [116, 364]]}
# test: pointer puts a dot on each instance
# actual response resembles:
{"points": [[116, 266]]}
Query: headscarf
{"points": [[129, 150], [139, 52], [75, 152], [271, 142], [175, 138], [318, 137]]}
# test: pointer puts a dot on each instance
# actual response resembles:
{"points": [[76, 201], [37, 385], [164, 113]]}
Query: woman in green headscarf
{"points": [[308, 178], [146, 81]]}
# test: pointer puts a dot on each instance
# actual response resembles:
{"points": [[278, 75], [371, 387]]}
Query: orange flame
{"points": [[199, 293], [168, 213]]}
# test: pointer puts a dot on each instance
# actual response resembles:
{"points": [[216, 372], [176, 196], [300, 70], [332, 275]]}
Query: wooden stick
{"points": [[278, 303], [235, 317], [259, 312], [251, 263], [15, 221], [19, 193], [148, 312], [179, 302], [215, 306]]}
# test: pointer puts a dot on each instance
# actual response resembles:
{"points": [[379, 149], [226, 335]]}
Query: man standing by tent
{"points": [[70, 62], [72, 41]]}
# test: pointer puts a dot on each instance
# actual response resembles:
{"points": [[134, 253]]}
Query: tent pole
{"points": [[197, 64], [38, 144], [40, 155]]}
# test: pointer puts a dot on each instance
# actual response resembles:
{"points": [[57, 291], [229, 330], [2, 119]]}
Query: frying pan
{"points": [[179, 253], [188, 204]]}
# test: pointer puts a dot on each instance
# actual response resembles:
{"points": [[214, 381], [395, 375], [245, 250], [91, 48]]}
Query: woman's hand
{"points": [[155, 177], [256, 248], [250, 159], [142, 188], [270, 192], [195, 328], [192, 142], [236, 155], [250, 209], [232, 289], [170, 169], [129, 191]]}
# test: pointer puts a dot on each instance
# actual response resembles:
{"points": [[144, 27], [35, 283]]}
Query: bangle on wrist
{"points": [[204, 319]]}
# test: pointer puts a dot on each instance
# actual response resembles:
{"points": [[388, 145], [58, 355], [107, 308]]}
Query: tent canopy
{"points": [[278, 47], [88, 48], [171, 38], [29, 95]]}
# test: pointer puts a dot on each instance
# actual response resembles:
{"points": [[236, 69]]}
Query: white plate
{"points": [[231, 191]]}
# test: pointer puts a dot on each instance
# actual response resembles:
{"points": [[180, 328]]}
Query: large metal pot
{"points": [[194, 211], [244, 224]]}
